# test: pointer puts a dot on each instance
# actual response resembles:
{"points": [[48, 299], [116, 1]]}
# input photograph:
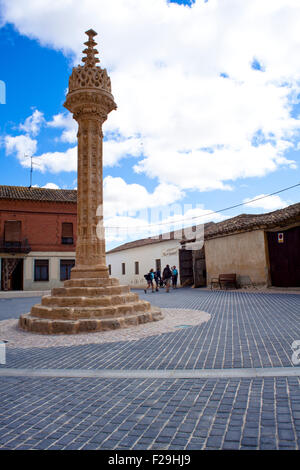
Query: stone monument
{"points": [[91, 300]]}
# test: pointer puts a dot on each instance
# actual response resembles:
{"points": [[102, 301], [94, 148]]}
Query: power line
{"points": [[208, 213]]}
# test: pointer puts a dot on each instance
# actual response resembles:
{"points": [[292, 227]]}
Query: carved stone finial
{"points": [[90, 59], [89, 75]]}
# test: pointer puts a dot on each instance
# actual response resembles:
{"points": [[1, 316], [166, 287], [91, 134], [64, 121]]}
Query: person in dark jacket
{"points": [[157, 278], [167, 276]]}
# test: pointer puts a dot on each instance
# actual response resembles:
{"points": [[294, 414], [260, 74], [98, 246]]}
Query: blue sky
{"points": [[207, 95]]}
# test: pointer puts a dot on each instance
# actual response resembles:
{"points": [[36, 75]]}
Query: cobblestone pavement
{"points": [[150, 414], [245, 330], [12, 308]]}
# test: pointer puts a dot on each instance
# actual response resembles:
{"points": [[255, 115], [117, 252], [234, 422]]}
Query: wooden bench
{"points": [[227, 280]]}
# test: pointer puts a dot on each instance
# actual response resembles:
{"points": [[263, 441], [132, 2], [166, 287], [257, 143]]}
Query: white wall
{"points": [[166, 251], [54, 270]]}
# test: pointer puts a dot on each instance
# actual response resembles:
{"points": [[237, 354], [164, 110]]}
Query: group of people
{"points": [[169, 275]]}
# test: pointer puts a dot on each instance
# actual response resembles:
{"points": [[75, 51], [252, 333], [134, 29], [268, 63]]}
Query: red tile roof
{"points": [[247, 222], [38, 194]]}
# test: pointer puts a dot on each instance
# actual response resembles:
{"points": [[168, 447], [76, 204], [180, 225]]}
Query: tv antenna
{"points": [[31, 167]]}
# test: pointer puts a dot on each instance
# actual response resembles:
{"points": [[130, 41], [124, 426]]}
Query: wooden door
{"points": [[284, 256], [186, 267], [199, 266]]}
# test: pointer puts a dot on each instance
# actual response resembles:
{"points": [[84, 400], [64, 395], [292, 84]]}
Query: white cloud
{"points": [[154, 221], [131, 212], [68, 124], [124, 228], [56, 162], [165, 63], [202, 170], [47, 186], [115, 150], [51, 186], [270, 203], [119, 196], [23, 145], [33, 123]]}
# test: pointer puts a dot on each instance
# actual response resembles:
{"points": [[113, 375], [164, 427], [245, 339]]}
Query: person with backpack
{"points": [[167, 276], [149, 278], [174, 277], [158, 280]]}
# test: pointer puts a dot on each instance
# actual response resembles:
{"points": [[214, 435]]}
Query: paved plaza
{"points": [[221, 377]]}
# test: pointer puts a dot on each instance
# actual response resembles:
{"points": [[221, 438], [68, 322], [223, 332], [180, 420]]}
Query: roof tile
{"points": [[38, 194]]}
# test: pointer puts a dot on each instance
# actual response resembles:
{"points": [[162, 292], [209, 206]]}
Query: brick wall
{"points": [[41, 222]]}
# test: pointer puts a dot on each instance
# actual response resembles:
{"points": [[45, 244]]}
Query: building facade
{"points": [[131, 261], [261, 249], [37, 237]]}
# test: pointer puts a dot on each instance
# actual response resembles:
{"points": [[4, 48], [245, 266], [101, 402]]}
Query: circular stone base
{"points": [[48, 326]]}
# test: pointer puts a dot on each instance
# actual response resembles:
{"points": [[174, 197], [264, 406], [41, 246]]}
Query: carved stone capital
{"points": [[90, 104]]}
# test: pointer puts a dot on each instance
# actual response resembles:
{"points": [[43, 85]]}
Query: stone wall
{"points": [[241, 253]]}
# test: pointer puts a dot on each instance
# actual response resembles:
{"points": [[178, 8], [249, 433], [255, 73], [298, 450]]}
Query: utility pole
{"points": [[31, 172]]}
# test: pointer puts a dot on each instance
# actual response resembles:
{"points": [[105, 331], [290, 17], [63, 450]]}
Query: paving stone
{"points": [[233, 436], [229, 445], [286, 435], [193, 412], [214, 442], [249, 442]]}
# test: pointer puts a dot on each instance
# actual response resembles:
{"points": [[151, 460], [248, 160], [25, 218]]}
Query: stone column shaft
{"points": [[90, 107], [90, 249]]}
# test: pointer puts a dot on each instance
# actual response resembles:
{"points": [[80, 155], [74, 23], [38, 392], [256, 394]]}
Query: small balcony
{"points": [[15, 247]]}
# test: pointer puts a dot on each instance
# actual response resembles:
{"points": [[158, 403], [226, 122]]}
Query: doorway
{"points": [[192, 267], [186, 267], [284, 257], [12, 274]]}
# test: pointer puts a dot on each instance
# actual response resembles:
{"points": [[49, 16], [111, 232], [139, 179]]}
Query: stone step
{"points": [[83, 301], [77, 312], [89, 291], [92, 282], [86, 325]]}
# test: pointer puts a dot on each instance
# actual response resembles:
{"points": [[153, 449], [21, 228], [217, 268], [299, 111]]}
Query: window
{"points": [[67, 233], [136, 267], [123, 268], [65, 268], [41, 270], [158, 264], [12, 233], [109, 269]]}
